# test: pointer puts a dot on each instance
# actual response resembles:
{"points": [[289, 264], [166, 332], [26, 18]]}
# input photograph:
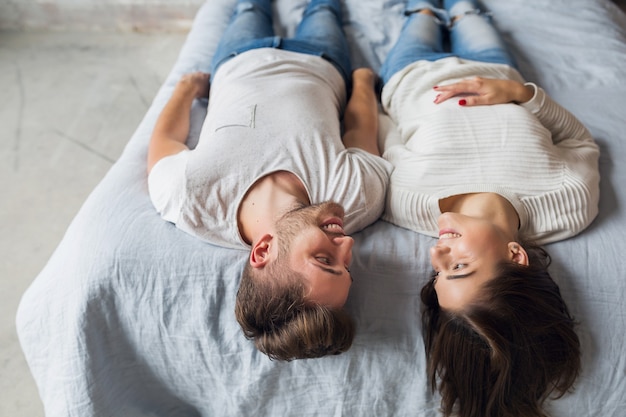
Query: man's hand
{"points": [[484, 91], [195, 84], [172, 127], [361, 115]]}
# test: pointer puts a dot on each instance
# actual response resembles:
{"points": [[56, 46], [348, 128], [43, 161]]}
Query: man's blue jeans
{"points": [[471, 37], [319, 33]]}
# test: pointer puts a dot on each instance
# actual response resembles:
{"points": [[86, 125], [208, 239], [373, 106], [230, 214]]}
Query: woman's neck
{"points": [[490, 206]]}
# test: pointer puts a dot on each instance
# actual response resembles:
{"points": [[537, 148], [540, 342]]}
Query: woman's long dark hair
{"points": [[508, 350]]}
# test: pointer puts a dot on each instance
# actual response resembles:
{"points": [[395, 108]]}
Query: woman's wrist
{"points": [[524, 93]]}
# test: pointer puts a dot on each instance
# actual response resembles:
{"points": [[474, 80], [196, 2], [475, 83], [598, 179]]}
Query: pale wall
{"points": [[125, 15]]}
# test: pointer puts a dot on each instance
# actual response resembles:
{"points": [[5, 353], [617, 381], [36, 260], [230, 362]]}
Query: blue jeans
{"points": [[423, 37], [319, 33]]}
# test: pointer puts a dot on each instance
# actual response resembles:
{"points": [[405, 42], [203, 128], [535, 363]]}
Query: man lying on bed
{"points": [[270, 164]]}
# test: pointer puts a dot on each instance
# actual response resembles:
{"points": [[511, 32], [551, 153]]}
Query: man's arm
{"points": [[172, 126], [361, 115]]}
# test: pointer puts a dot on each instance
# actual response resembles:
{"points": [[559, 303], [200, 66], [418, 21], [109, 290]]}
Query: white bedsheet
{"points": [[132, 317]]}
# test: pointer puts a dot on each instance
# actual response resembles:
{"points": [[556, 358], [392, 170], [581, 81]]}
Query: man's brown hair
{"points": [[272, 310]]}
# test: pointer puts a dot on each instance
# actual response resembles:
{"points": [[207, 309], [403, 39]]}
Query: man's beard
{"points": [[295, 220]]}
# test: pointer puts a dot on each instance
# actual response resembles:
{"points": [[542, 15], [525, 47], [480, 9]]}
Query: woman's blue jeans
{"points": [[319, 33], [422, 37]]}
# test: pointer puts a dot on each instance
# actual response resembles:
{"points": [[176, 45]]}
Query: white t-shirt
{"points": [[537, 154], [269, 110]]}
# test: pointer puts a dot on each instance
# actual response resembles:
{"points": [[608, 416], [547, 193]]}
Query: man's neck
{"points": [[268, 199]]}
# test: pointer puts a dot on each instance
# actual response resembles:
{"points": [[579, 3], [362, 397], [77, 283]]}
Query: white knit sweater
{"points": [[537, 154]]}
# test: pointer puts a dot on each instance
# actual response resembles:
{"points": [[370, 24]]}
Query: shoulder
{"points": [[167, 183]]}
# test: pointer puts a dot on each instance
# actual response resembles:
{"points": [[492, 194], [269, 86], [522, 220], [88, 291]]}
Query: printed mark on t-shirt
{"points": [[250, 124]]}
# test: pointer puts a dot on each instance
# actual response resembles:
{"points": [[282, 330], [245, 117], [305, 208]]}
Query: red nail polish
{"points": [[462, 102], [436, 87]]}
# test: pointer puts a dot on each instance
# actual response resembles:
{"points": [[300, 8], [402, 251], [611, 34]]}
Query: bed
{"points": [[131, 317]]}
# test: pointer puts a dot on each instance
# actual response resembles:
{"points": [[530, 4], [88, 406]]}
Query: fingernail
{"points": [[462, 102], [436, 87], [437, 98]]}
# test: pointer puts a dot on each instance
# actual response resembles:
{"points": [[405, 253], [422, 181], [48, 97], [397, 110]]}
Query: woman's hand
{"points": [[195, 84], [479, 91]]}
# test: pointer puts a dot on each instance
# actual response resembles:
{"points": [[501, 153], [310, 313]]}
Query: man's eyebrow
{"points": [[329, 270], [460, 276]]}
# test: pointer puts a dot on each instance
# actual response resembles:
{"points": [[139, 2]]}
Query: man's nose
{"points": [[345, 244]]}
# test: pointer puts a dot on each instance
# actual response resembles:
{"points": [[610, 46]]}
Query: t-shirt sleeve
{"points": [[166, 185], [365, 189]]}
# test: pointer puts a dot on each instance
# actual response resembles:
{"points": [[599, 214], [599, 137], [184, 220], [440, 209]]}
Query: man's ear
{"points": [[518, 254], [260, 253]]}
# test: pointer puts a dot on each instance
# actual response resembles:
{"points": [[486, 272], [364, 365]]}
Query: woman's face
{"points": [[466, 256]]}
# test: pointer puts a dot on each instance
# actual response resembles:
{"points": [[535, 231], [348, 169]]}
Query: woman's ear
{"points": [[518, 254], [260, 253]]}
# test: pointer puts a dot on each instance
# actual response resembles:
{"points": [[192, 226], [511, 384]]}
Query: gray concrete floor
{"points": [[69, 102]]}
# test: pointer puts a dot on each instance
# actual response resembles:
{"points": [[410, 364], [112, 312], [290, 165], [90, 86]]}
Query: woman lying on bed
{"points": [[490, 165]]}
